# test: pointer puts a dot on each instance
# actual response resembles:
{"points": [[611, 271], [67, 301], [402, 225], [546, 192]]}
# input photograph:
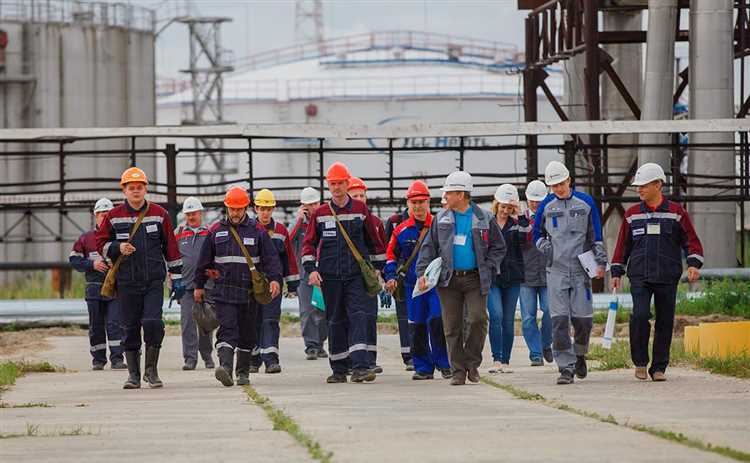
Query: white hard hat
{"points": [[458, 181], [536, 191], [555, 173], [506, 194], [191, 204], [103, 205], [309, 195], [647, 173]]}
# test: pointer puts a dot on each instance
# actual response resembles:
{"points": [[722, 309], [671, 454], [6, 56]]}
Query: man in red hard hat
{"points": [[331, 265], [140, 279]]}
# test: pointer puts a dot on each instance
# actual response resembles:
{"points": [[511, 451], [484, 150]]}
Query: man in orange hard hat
{"points": [[331, 265], [223, 258], [140, 279]]}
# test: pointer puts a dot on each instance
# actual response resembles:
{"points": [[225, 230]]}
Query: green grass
{"points": [[610, 359], [600, 317], [283, 422], [726, 297], [38, 285], [26, 405], [10, 371], [34, 430]]}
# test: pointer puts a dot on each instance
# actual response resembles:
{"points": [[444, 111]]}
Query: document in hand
{"points": [[432, 273], [589, 263]]}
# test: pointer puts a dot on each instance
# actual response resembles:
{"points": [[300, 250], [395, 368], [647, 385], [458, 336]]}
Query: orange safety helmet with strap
{"points": [[356, 183], [418, 190], [133, 175], [338, 172], [236, 198]]}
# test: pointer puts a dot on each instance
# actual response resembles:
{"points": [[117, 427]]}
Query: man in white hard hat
{"points": [[312, 321], [568, 222], [190, 238], [533, 294], [104, 313], [653, 238], [471, 246]]}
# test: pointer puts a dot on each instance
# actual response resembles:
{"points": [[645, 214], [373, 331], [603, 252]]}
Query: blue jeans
{"points": [[535, 339], [501, 305]]}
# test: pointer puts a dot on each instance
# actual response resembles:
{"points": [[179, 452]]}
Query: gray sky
{"points": [[260, 25]]}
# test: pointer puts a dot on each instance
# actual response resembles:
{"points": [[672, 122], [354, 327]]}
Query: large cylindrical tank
{"points": [[70, 64]]}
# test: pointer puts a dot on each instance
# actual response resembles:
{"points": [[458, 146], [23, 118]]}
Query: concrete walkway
{"points": [[393, 419]]}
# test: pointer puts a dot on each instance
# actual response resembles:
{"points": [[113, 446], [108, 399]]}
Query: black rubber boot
{"points": [[581, 368], [243, 368], [150, 372], [134, 370], [224, 371]]}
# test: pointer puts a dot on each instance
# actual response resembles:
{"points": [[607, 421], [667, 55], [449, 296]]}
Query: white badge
{"points": [[653, 229], [329, 233], [248, 241], [151, 228], [638, 231], [95, 256], [219, 234], [122, 236], [330, 224], [459, 240]]}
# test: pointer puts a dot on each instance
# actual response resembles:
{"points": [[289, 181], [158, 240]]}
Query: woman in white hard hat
{"points": [[506, 285]]}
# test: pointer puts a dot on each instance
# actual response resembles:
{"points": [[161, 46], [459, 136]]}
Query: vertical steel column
{"points": [[61, 215], [390, 170], [569, 149], [529, 96], [321, 167], [461, 151], [250, 180], [593, 108], [132, 152], [171, 153]]}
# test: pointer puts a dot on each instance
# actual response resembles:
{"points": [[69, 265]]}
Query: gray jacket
{"points": [[296, 237], [566, 228], [489, 246], [190, 242], [534, 264]]}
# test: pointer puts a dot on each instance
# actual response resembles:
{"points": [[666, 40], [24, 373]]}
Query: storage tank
{"points": [[69, 64]]}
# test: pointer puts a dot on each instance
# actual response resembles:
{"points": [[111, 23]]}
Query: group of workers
{"points": [[355, 262]]}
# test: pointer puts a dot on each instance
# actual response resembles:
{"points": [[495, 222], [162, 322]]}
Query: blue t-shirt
{"points": [[463, 242]]}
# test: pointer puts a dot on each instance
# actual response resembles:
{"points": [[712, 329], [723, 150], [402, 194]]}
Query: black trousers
{"points": [[664, 296]]}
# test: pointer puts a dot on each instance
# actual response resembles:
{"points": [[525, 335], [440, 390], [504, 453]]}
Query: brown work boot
{"points": [[641, 373], [659, 376], [459, 378], [474, 375]]}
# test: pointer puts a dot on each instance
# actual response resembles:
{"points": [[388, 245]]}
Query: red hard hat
{"points": [[356, 183], [236, 198], [338, 172], [418, 190]]}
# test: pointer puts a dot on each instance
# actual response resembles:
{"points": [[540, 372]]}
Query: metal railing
{"points": [[68, 11]]}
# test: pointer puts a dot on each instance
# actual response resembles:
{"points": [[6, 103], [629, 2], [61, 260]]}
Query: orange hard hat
{"points": [[236, 198], [338, 172], [418, 190], [133, 174], [356, 183]]}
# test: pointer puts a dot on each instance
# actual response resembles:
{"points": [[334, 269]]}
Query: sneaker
{"points": [[537, 363], [334, 378], [118, 365], [377, 369], [658, 376], [581, 368], [547, 353], [273, 368], [496, 368], [311, 354], [360, 375], [189, 365], [447, 373], [566, 377], [421, 376], [254, 369], [409, 366], [98, 366], [459, 378], [641, 373], [210, 365], [322, 354], [473, 375], [243, 379], [506, 368]]}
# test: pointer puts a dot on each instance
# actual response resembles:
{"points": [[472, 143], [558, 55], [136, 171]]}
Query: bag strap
{"points": [[415, 251], [243, 249], [138, 223], [355, 252]]}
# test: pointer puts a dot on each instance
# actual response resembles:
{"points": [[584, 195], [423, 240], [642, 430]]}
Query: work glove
{"points": [[385, 299], [178, 288]]}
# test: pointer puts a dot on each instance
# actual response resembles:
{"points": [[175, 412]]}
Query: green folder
{"points": [[317, 299]]}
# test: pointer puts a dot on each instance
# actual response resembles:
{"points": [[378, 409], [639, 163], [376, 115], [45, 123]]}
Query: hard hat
{"points": [[236, 198], [536, 191], [265, 198], [338, 172], [555, 173], [309, 195], [191, 204], [648, 173], [458, 181], [356, 183], [418, 190], [133, 174], [103, 205], [443, 200], [506, 194]]}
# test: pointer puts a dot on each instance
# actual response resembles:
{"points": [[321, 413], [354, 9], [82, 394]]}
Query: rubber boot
{"points": [[223, 372], [134, 369], [150, 374], [243, 368]]}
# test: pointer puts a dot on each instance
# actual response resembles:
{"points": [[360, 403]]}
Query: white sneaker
{"points": [[505, 368], [496, 368]]}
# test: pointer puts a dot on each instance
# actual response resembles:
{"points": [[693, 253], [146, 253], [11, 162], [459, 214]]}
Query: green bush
{"points": [[727, 297]]}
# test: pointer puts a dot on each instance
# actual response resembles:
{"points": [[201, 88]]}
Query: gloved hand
{"points": [[178, 288], [385, 299]]}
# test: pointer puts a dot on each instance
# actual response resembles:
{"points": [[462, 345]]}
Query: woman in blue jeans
{"points": [[504, 291], [534, 287]]}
